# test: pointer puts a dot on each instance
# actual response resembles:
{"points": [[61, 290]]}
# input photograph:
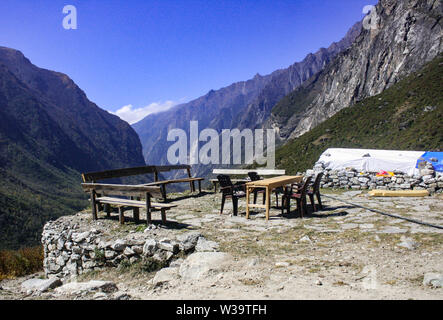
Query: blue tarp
{"points": [[436, 158]]}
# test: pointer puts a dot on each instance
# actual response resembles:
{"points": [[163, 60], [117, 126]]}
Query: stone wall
{"points": [[427, 179], [69, 251]]}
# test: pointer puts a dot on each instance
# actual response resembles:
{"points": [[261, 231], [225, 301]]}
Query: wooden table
{"points": [[268, 185]]}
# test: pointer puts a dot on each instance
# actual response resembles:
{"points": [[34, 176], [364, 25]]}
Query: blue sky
{"points": [[149, 55]]}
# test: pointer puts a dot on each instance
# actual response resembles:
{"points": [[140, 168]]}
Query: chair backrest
{"points": [[253, 176], [316, 185], [304, 188], [225, 181]]}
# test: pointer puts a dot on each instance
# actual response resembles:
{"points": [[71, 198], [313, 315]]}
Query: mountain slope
{"points": [[49, 133], [407, 116], [409, 33], [104, 140], [241, 105]]}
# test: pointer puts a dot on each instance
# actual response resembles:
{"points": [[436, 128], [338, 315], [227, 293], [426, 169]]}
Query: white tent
{"points": [[371, 160]]}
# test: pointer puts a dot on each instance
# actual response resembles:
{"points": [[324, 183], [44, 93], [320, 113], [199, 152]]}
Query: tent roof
{"points": [[371, 160]]}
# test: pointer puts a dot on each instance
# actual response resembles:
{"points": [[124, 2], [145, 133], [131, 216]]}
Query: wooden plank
{"points": [[94, 205], [121, 189], [252, 205], [172, 167], [262, 172], [117, 173], [274, 182], [134, 203], [156, 183], [121, 215]]}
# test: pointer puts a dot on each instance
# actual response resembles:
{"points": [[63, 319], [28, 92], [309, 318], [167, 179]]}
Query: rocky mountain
{"points": [[406, 116], [407, 34], [95, 139], [241, 105], [50, 133]]}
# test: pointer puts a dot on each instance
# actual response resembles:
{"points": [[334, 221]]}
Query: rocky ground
{"points": [[341, 252]]}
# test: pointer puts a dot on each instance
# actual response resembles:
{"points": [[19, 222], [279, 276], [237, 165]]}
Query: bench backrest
{"points": [[261, 172], [122, 190], [126, 172]]}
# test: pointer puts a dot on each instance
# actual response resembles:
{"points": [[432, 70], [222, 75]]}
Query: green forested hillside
{"points": [[31, 193], [407, 116], [50, 133]]}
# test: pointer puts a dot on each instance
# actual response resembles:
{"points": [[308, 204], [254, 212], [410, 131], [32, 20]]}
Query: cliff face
{"points": [[291, 78], [407, 35], [241, 105]]}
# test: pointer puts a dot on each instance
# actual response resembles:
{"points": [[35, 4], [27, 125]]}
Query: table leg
{"points": [[267, 203], [247, 202]]}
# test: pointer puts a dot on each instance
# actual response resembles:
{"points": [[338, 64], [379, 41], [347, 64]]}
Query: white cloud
{"points": [[132, 115]]}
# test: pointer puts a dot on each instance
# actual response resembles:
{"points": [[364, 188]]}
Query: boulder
{"points": [[119, 245], [433, 279], [81, 287], [79, 237], [165, 275], [166, 244], [150, 247], [188, 240], [202, 264], [40, 285], [204, 245]]}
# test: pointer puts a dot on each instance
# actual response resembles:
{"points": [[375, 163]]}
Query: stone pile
{"points": [[69, 252], [427, 179]]}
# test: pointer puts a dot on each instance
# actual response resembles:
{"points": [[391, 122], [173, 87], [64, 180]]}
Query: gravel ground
{"points": [[341, 252]]}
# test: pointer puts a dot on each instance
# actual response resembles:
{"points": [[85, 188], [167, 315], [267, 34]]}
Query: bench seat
{"points": [[134, 203]]}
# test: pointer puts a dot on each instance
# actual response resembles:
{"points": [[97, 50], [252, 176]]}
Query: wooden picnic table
{"points": [[268, 185]]}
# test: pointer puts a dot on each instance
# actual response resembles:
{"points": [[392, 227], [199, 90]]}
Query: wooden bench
{"points": [[156, 170], [261, 172], [163, 183], [102, 195]]}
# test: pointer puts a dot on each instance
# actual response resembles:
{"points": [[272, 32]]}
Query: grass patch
{"points": [[17, 263]]}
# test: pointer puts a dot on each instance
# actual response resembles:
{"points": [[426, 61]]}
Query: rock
{"points": [[204, 245], [392, 230], [79, 237], [166, 244], [433, 279], [188, 241], [41, 285], [176, 263], [282, 264], [110, 254], [202, 264], [137, 249], [120, 295], [318, 282], [305, 239], [100, 296], [427, 172], [253, 262], [165, 275], [408, 243], [81, 287], [150, 247], [128, 252], [60, 261], [163, 255], [119, 245]]}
